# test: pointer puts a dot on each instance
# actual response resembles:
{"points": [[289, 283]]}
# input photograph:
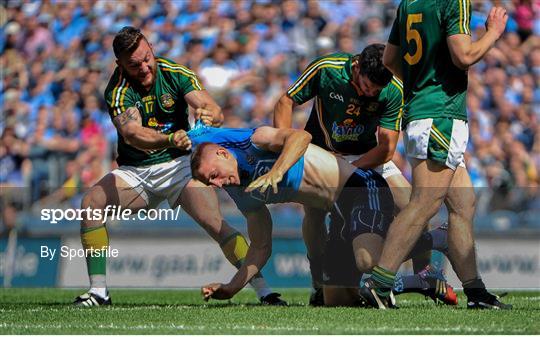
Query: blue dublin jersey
{"points": [[253, 162]]}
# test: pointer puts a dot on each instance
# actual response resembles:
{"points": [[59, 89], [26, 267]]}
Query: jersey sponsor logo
{"points": [[348, 130], [336, 96], [160, 127], [167, 101]]}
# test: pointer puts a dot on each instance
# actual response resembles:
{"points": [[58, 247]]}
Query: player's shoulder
{"points": [[395, 87], [396, 84], [170, 66], [333, 63], [117, 84], [407, 7], [338, 58]]}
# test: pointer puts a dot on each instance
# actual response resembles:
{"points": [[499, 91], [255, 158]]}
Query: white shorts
{"points": [[386, 170], [443, 140], [158, 182]]}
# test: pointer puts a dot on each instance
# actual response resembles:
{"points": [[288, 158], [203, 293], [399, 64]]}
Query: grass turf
{"points": [[45, 311]]}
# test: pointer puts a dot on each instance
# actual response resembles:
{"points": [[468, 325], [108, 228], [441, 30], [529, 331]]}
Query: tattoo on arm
{"points": [[131, 114]]}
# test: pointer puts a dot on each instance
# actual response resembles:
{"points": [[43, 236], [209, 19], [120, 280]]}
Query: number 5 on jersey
{"points": [[413, 34]]}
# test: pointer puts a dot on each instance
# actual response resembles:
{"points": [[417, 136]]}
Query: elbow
{"points": [[463, 62], [130, 136], [129, 139], [462, 65]]}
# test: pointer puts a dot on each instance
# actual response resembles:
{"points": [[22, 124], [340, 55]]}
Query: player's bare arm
{"points": [[386, 146], [205, 108], [259, 224], [291, 143], [283, 112], [465, 52], [392, 59], [129, 124]]}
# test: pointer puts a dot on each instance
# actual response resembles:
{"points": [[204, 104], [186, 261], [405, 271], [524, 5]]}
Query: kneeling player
{"points": [[345, 262]]}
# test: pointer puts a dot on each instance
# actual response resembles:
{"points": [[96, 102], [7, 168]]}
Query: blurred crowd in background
{"points": [[56, 59]]}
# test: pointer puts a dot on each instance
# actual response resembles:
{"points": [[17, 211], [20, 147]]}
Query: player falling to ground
{"points": [[430, 48], [356, 113], [148, 99], [360, 200]]}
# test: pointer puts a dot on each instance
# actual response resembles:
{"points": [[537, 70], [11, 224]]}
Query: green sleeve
{"points": [[186, 80], [119, 98], [394, 33], [392, 97], [307, 85], [456, 17]]}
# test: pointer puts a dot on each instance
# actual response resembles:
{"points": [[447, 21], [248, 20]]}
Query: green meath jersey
{"points": [[433, 86], [163, 108], [342, 120]]}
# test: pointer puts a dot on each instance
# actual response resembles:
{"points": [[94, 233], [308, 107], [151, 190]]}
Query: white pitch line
{"points": [[113, 326]]}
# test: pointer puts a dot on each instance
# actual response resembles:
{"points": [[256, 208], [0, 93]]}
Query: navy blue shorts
{"points": [[365, 205]]}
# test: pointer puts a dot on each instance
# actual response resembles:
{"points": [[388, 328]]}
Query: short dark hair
{"points": [[126, 40], [371, 64], [196, 158]]}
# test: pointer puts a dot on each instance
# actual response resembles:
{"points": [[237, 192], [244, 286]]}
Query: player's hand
{"points": [[180, 140], [205, 116], [272, 178], [496, 21], [217, 291]]}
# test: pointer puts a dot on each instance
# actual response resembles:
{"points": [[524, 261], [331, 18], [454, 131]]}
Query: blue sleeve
{"points": [[243, 200]]}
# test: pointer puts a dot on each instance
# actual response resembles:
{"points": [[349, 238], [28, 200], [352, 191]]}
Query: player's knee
{"points": [[92, 200], [464, 208], [364, 261], [213, 224], [425, 208]]}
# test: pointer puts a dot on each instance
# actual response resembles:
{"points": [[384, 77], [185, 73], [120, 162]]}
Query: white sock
{"points": [[98, 285], [260, 286]]}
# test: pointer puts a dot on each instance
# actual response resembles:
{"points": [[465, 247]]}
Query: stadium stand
{"points": [[57, 138]]}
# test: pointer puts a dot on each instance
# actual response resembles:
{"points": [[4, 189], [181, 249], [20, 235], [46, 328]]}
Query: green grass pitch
{"points": [[46, 311]]}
